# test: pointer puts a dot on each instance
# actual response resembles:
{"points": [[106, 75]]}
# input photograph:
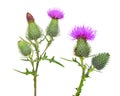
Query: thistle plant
{"points": [[82, 35], [30, 46]]}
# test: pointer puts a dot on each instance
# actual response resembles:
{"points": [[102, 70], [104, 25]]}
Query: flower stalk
{"points": [[83, 76], [30, 48], [79, 89], [82, 50]]}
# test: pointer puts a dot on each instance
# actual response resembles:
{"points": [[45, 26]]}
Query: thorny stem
{"points": [[38, 58], [79, 89], [35, 63], [86, 70], [84, 76]]}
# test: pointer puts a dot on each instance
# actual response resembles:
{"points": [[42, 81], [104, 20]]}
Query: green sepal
{"points": [[82, 48], [51, 60], [53, 28], [100, 60], [34, 32]]}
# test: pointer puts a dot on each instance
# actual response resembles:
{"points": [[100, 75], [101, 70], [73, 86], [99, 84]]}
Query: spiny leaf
{"points": [[21, 72], [27, 72], [51, 60], [72, 60], [75, 60]]}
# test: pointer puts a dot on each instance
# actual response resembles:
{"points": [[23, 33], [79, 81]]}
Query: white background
{"points": [[102, 15]]}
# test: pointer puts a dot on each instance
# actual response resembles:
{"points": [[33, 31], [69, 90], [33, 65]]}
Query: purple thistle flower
{"points": [[83, 32], [55, 13]]}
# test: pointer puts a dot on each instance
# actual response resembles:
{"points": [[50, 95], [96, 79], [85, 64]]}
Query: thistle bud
{"points": [[53, 29], [34, 31], [24, 48], [100, 60], [82, 48]]}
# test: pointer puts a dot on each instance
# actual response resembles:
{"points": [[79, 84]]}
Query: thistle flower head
{"points": [[86, 33], [55, 13], [29, 17]]}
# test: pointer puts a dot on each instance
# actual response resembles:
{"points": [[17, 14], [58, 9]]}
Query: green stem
{"points": [[32, 62], [79, 89], [49, 43], [37, 56], [85, 74], [37, 62], [36, 69], [82, 59], [35, 85]]}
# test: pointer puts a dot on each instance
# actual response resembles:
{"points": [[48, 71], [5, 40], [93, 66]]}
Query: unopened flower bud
{"points": [[100, 60], [82, 48], [34, 31], [24, 48]]}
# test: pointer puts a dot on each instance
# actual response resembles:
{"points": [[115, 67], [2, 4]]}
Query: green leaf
{"points": [[75, 60], [21, 72], [27, 72], [51, 60], [72, 60]]}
